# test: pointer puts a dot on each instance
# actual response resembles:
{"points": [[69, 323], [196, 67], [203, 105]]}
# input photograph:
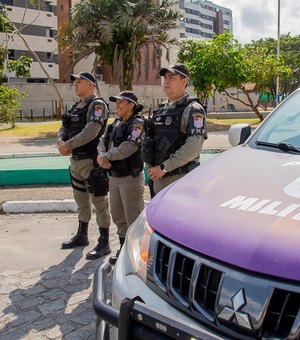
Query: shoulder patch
{"points": [[98, 111], [197, 120]]}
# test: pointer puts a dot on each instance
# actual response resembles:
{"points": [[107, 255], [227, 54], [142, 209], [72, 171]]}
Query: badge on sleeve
{"points": [[136, 132], [198, 121], [98, 113]]}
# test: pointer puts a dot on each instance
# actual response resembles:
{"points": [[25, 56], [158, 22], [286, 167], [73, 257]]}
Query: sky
{"points": [[255, 19]]}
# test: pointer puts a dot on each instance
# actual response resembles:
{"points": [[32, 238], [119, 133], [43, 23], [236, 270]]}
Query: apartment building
{"points": [[39, 28], [204, 18]]}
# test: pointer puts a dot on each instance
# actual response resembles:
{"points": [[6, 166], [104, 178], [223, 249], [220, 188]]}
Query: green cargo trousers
{"points": [[126, 200], [80, 170]]}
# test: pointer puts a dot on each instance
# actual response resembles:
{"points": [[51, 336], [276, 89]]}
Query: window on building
{"points": [[50, 57], [192, 30], [182, 35], [7, 2], [11, 54], [48, 7], [207, 35]]}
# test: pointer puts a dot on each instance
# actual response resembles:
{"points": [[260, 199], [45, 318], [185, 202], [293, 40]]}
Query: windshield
{"points": [[284, 125]]}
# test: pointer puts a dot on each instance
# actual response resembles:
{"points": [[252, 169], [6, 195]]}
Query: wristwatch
{"points": [[162, 168]]}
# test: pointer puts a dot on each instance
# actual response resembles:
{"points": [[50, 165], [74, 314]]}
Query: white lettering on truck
{"points": [[262, 206]]}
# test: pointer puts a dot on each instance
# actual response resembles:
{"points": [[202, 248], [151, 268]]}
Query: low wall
{"points": [[41, 99]]}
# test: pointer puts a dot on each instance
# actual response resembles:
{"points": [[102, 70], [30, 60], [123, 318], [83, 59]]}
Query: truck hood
{"points": [[238, 213]]}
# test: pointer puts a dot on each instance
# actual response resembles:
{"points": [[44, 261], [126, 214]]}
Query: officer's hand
{"points": [[155, 172], [103, 163], [106, 165], [63, 150]]}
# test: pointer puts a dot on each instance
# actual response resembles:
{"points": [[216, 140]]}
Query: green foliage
{"points": [[290, 53], [21, 66], [5, 24], [223, 63], [9, 104], [116, 30]]}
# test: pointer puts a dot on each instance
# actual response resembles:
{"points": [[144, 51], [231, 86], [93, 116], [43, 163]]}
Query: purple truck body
{"points": [[242, 207]]}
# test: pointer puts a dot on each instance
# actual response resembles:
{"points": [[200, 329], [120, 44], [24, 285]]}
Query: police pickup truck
{"points": [[216, 255]]}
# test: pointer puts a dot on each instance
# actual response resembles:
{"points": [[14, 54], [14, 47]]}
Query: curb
{"points": [[16, 207], [28, 155], [42, 206]]}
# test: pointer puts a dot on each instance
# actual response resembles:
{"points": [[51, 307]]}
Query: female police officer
{"points": [[120, 152]]}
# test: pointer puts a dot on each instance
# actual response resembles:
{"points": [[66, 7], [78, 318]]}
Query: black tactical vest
{"points": [[118, 133], [164, 132], [74, 122]]}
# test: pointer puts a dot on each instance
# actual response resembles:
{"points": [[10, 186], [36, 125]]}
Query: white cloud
{"points": [[255, 19]]}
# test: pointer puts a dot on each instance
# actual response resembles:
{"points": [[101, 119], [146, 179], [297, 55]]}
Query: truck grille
{"points": [[282, 313], [196, 285], [181, 270]]}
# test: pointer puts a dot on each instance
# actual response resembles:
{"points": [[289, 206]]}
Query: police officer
{"points": [[79, 136], [120, 153], [176, 132]]}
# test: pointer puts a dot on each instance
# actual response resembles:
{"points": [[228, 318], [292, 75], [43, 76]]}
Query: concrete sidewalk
{"points": [[25, 145]]}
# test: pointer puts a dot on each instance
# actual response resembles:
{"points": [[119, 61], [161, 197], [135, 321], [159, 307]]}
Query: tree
{"points": [[290, 52], [9, 104], [116, 30], [223, 63], [9, 98], [23, 64]]}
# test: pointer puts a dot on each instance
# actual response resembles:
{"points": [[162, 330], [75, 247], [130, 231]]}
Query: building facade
{"points": [[203, 19], [39, 27]]}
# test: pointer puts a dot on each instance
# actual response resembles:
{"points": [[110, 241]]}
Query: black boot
{"points": [[80, 239], [102, 248], [113, 259]]}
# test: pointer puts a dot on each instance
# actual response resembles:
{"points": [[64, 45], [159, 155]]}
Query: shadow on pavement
{"points": [[57, 305]]}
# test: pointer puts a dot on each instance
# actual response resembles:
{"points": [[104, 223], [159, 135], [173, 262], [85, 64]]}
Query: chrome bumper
{"points": [[136, 319]]}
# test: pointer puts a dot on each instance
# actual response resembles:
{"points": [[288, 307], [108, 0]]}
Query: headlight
{"points": [[137, 245]]}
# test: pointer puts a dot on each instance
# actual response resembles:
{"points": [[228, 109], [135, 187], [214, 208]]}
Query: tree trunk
{"points": [[253, 106]]}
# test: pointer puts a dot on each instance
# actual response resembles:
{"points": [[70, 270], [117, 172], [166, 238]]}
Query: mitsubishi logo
{"points": [[238, 303]]}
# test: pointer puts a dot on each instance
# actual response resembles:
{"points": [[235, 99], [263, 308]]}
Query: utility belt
{"points": [[183, 169], [80, 156], [123, 173]]}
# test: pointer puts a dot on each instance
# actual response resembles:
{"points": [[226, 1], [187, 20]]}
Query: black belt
{"points": [[183, 169], [78, 157], [124, 173]]}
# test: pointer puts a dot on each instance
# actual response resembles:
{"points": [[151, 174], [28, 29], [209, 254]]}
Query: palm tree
{"points": [[116, 30]]}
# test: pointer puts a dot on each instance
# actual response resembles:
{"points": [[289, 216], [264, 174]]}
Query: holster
{"points": [[66, 119], [147, 149], [97, 183]]}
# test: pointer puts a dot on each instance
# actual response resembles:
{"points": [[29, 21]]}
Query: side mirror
{"points": [[239, 133]]}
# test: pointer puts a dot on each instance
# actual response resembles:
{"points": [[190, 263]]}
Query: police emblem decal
{"points": [[168, 120], [136, 132], [198, 122], [98, 111], [238, 303]]}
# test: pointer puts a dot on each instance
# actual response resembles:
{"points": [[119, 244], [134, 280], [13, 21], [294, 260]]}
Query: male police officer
{"points": [[176, 132], [119, 152], [79, 136]]}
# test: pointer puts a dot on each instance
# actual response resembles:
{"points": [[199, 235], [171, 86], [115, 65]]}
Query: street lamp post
{"points": [[278, 51]]}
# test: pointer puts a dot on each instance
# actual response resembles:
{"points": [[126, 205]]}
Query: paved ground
{"points": [[45, 292]]}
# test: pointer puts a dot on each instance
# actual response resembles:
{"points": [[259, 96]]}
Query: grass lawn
{"points": [[49, 129]]}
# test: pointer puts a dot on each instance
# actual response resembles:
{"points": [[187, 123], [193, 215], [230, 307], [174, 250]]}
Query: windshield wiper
{"points": [[282, 146]]}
